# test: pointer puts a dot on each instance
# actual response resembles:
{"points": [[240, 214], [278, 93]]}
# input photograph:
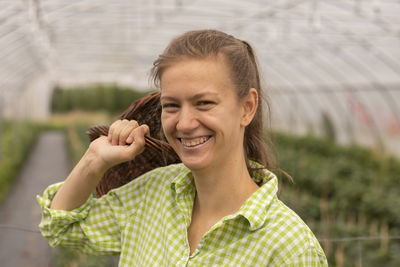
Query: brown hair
{"points": [[244, 73]]}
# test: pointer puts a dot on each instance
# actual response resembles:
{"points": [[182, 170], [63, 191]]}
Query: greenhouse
{"points": [[330, 71]]}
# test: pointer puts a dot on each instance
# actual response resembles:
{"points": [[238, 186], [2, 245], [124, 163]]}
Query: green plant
{"points": [[16, 140], [345, 192], [109, 98]]}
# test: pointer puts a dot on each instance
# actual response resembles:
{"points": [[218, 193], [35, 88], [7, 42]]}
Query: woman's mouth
{"points": [[192, 142]]}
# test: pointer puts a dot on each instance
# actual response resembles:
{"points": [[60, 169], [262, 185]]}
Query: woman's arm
{"points": [[124, 141]]}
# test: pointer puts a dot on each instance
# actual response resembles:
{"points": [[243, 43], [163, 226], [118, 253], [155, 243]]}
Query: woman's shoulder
{"points": [[285, 219], [291, 231]]}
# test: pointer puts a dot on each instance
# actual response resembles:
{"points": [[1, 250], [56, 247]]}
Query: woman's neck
{"points": [[223, 189]]}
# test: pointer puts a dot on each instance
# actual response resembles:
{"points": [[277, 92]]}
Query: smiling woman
{"points": [[219, 206]]}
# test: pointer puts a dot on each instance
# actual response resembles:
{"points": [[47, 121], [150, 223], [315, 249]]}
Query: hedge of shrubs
{"points": [[109, 98], [344, 192], [16, 140]]}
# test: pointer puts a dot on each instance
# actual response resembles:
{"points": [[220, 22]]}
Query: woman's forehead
{"points": [[219, 59], [201, 71]]}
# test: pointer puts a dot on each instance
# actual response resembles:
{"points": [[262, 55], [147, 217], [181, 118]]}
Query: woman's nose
{"points": [[187, 120]]}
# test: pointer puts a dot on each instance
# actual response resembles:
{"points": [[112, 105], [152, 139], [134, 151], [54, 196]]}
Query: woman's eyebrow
{"points": [[204, 94], [194, 97]]}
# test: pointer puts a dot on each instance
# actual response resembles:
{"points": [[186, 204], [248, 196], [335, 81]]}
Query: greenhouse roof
{"points": [[305, 43], [305, 47]]}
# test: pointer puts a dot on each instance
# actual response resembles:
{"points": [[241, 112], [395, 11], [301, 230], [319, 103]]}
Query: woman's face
{"points": [[201, 113]]}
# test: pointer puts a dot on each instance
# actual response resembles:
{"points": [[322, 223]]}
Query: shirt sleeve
{"points": [[310, 257], [94, 228]]}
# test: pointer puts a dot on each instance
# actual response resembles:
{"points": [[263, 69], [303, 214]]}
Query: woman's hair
{"points": [[244, 72]]}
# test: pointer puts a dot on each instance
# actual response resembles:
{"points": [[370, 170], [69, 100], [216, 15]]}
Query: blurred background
{"points": [[331, 70]]}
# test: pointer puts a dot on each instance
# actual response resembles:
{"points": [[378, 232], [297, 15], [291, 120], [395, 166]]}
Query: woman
{"points": [[217, 208]]}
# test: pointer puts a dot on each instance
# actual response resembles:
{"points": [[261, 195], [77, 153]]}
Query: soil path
{"points": [[21, 244]]}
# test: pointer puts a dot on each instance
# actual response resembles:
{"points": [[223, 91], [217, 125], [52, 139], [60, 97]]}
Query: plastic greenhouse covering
{"points": [[336, 59]]}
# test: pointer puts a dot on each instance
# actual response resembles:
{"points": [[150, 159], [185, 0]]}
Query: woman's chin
{"points": [[195, 164]]}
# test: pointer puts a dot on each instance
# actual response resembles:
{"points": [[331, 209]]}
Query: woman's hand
{"points": [[124, 142]]}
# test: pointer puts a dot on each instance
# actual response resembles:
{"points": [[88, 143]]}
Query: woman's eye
{"points": [[169, 105], [205, 103]]}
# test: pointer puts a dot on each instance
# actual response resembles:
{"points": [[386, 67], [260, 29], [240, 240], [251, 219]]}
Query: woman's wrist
{"points": [[94, 166]]}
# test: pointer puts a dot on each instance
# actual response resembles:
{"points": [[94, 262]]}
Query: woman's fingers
{"points": [[122, 132], [146, 129], [131, 136], [137, 145], [117, 130], [113, 132], [126, 129]]}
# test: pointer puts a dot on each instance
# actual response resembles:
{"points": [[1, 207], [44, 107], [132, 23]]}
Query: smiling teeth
{"points": [[194, 142]]}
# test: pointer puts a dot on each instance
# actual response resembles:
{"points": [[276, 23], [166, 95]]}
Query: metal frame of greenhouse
{"points": [[335, 59]]}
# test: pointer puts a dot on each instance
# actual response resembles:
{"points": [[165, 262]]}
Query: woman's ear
{"points": [[249, 105]]}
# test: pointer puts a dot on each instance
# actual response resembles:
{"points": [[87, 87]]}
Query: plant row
{"points": [[109, 98], [16, 140], [343, 192]]}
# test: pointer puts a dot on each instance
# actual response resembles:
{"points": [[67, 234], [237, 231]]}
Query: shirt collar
{"points": [[255, 208], [183, 181]]}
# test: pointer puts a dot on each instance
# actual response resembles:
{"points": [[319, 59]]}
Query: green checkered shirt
{"points": [[146, 222]]}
